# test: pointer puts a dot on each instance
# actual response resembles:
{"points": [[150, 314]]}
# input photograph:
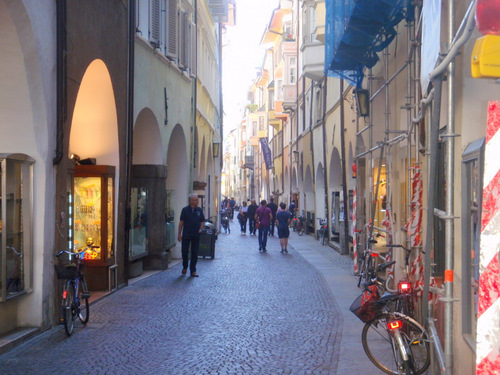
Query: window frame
{"points": [[473, 153]]}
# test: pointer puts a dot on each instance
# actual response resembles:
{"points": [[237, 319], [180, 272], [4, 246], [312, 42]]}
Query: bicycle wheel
{"points": [[301, 229], [380, 347], [323, 237], [83, 294], [68, 311]]}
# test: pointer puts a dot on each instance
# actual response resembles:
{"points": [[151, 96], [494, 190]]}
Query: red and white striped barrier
{"points": [[414, 230], [488, 321]]}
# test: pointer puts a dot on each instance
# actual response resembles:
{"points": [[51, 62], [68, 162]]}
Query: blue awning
{"points": [[356, 30]]}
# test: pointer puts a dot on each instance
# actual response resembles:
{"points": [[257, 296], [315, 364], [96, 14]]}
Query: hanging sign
{"points": [[266, 151]]}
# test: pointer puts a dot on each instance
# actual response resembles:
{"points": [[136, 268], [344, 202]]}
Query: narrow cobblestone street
{"points": [[247, 313]]}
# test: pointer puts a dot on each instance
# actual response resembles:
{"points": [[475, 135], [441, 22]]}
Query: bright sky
{"points": [[243, 56]]}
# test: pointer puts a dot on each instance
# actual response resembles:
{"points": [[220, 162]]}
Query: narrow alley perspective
{"points": [[248, 313]]}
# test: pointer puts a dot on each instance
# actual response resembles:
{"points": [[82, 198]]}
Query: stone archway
{"points": [[94, 126], [320, 194], [147, 147], [309, 199], [147, 235], [177, 180]]}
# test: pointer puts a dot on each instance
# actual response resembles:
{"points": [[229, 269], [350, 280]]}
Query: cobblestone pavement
{"points": [[247, 313]]}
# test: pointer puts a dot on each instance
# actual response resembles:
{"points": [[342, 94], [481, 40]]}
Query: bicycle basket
{"points": [[365, 306], [65, 269]]}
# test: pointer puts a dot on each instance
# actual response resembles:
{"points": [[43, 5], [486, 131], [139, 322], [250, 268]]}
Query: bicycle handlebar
{"points": [[79, 253], [401, 246], [18, 253], [383, 266]]}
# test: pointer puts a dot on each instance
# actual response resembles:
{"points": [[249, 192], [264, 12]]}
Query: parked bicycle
{"points": [[322, 232], [405, 288], [75, 295], [367, 261], [298, 225], [393, 341]]}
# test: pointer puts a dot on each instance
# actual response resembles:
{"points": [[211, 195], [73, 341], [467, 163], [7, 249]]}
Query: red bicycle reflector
{"points": [[395, 324], [404, 287], [374, 255], [65, 293]]}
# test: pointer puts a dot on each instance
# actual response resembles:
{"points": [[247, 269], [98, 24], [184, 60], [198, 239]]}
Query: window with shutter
{"points": [[171, 29], [154, 31], [183, 45], [142, 16], [193, 57]]}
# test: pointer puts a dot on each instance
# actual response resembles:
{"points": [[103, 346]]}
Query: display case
{"points": [[92, 204]]}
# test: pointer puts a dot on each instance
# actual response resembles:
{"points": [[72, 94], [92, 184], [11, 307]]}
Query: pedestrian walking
{"points": [[191, 223], [283, 218], [242, 217], [232, 204], [273, 208], [292, 209], [263, 217], [252, 208]]}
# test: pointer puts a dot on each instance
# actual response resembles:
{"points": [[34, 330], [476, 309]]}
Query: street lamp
{"points": [[363, 101], [216, 148], [295, 156]]}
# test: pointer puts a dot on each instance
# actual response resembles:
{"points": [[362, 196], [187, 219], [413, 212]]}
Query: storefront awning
{"points": [[356, 30]]}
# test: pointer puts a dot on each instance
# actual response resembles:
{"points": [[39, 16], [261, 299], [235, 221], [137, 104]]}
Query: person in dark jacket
{"points": [[273, 208], [252, 208], [283, 221], [191, 223]]}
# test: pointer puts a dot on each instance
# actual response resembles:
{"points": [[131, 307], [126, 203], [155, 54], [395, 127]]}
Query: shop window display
{"points": [[93, 194], [16, 184]]}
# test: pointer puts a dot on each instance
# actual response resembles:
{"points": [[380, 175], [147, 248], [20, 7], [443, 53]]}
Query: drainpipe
{"points": [[325, 176], [450, 201], [311, 145], [61, 90], [345, 250], [130, 132], [431, 184], [193, 106]]}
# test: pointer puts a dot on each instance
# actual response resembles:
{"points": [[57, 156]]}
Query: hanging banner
{"points": [[431, 37], [266, 151]]}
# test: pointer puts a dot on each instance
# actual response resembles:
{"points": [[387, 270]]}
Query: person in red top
{"points": [[263, 216]]}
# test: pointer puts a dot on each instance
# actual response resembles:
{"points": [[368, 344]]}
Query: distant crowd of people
{"points": [[263, 219]]}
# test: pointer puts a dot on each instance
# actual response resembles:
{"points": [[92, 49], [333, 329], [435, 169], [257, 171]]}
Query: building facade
{"points": [[411, 161], [111, 117]]}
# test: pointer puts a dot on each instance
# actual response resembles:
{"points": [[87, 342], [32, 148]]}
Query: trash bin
{"points": [[207, 243]]}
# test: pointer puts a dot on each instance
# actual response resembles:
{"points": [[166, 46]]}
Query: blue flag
{"points": [[268, 159]]}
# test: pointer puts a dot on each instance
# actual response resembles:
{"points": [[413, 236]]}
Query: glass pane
{"points": [[139, 218], [110, 216], [170, 218], [87, 213], [14, 229]]}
